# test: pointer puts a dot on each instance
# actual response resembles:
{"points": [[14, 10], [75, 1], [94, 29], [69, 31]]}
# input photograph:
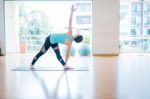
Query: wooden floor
{"points": [[126, 76]]}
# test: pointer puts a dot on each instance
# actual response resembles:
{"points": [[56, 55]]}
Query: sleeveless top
{"points": [[60, 38]]}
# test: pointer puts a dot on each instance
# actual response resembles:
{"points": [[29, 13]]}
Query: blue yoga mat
{"points": [[26, 68]]}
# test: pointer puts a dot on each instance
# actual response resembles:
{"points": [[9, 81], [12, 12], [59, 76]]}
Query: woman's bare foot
{"points": [[67, 67], [32, 67]]}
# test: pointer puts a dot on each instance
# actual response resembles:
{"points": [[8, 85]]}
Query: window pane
{"points": [[33, 21], [83, 19], [134, 26]]}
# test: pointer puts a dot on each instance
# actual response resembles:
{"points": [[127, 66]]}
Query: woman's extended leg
{"points": [[44, 48], [55, 47]]}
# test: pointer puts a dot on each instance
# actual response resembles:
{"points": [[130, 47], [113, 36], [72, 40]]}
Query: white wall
{"points": [[2, 36], [105, 26], [12, 42]]}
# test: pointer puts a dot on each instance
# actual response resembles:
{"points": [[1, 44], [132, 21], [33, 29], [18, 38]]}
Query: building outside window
{"points": [[148, 20], [148, 8], [133, 32], [133, 21], [83, 19], [148, 31], [83, 7], [135, 16], [135, 8]]}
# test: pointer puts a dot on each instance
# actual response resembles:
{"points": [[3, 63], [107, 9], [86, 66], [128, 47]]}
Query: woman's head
{"points": [[78, 38]]}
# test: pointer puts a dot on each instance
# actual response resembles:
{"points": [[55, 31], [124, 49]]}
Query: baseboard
{"points": [[105, 54]]}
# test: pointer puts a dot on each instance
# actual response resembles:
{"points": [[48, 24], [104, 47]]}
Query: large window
{"points": [[134, 26], [32, 21]]}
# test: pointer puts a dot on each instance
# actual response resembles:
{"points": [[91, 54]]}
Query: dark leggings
{"points": [[45, 47]]}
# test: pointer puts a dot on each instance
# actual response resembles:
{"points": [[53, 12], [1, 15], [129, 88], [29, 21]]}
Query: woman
{"points": [[64, 38]]}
